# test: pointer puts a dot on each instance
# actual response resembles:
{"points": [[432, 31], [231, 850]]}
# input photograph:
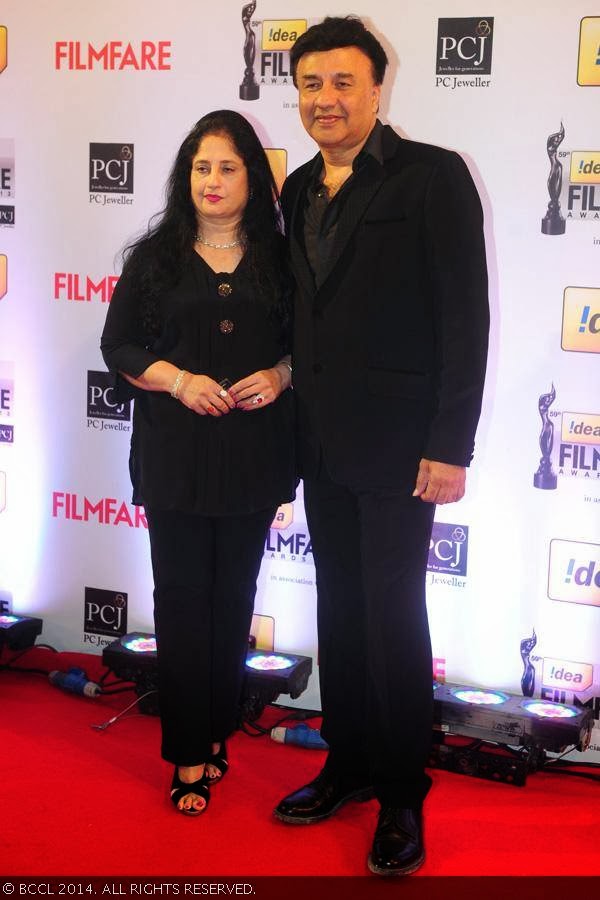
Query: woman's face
{"points": [[218, 181]]}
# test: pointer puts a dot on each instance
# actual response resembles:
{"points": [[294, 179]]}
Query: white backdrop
{"points": [[509, 560]]}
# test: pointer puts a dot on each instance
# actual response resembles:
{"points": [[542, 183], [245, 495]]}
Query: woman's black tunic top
{"points": [[211, 324]]}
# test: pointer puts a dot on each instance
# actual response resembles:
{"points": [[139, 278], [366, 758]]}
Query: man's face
{"points": [[338, 97]]}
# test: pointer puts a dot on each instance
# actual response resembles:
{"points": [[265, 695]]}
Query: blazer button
{"points": [[317, 368], [224, 289], [226, 326]]}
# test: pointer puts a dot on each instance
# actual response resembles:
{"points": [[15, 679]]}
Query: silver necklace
{"points": [[201, 240]]}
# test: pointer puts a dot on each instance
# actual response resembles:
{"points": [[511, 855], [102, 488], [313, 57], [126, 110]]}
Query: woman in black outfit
{"points": [[197, 333]]}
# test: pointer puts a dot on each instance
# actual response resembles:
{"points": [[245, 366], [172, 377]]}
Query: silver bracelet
{"points": [[282, 362], [177, 383]]}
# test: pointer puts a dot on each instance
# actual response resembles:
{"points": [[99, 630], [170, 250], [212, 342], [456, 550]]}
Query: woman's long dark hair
{"points": [[154, 262]]}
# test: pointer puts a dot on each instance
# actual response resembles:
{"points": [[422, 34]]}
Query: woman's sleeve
{"points": [[123, 344]]}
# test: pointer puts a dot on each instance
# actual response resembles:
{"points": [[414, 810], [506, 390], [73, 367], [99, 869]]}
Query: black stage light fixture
{"points": [[491, 717], [19, 632], [268, 675], [133, 658]]}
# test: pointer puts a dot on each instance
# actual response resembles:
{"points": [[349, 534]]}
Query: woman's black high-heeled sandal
{"points": [[219, 760], [179, 789]]}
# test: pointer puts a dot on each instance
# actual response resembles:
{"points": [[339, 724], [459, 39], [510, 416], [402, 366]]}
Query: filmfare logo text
{"points": [[104, 511], [80, 288], [113, 56]]}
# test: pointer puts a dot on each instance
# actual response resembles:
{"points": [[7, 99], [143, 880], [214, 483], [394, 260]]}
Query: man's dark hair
{"points": [[337, 31]]}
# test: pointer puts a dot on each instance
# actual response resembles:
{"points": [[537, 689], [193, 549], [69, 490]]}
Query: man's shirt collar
{"points": [[373, 148]]}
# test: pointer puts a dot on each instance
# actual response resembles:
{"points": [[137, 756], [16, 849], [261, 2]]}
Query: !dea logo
{"points": [[283, 517], [588, 66], [3, 275], [574, 572], [3, 48], [561, 673], [277, 39], [581, 320]]}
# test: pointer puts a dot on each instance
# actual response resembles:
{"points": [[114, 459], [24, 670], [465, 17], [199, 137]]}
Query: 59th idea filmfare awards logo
{"points": [[572, 453], [7, 182], [111, 174], [265, 46], [105, 613], [289, 542], [573, 186], [464, 52], [7, 390], [559, 680]]}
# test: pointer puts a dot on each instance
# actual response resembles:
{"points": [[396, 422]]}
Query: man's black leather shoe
{"points": [[320, 799], [398, 843]]}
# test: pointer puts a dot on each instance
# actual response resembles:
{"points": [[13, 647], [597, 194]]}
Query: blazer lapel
{"points": [[367, 184], [300, 264]]}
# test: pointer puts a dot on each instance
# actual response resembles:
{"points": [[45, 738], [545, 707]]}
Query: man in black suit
{"points": [[391, 323]]}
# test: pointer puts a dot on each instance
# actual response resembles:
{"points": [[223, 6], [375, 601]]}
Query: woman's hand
{"points": [[204, 396], [260, 388]]}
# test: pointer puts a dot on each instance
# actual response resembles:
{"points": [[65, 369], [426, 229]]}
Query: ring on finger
{"points": [[222, 393], [258, 398]]}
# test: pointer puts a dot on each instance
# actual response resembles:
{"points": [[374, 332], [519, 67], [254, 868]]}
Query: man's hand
{"points": [[439, 482]]}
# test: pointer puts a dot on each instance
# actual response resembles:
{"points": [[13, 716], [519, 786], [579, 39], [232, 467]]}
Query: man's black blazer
{"points": [[390, 352]]}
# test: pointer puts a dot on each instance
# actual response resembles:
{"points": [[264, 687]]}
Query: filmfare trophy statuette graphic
{"points": [[528, 677], [249, 89], [553, 222], [545, 478]]}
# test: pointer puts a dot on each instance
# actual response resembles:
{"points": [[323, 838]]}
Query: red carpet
{"points": [[76, 801]]}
